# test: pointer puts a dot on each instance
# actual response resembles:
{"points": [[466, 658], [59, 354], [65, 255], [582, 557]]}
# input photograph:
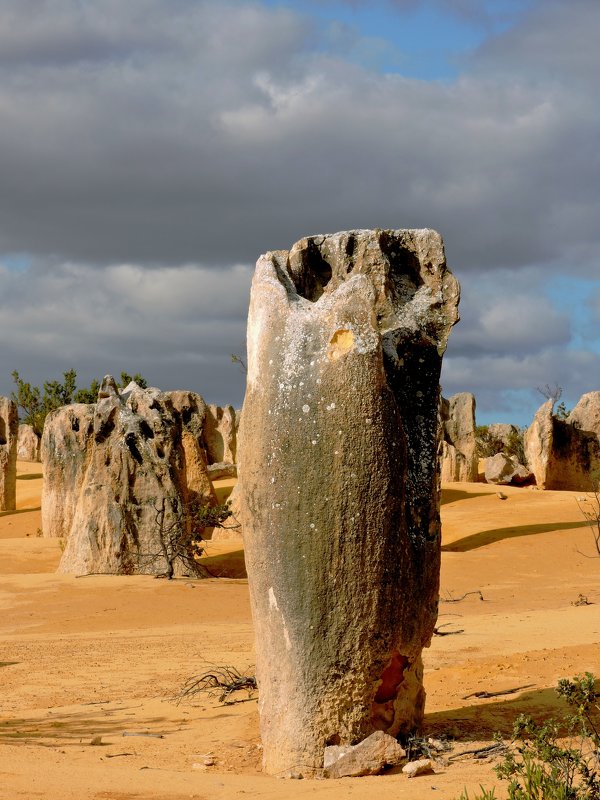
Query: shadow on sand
{"points": [[482, 718], [34, 476], [80, 727], [452, 495], [20, 511], [225, 565], [476, 540]]}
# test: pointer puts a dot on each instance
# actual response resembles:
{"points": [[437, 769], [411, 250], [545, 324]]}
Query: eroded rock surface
{"points": [[561, 454], [339, 484], [9, 426], [110, 468], [220, 434], [504, 470], [586, 414], [28, 444], [503, 432], [65, 453], [369, 757], [459, 456]]}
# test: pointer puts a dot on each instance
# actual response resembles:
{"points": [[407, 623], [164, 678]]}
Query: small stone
{"points": [[505, 470], [421, 767], [501, 495], [437, 744], [97, 740], [369, 757], [334, 752]]}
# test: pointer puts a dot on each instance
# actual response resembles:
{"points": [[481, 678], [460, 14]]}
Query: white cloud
{"points": [[509, 320], [214, 131], [150, 133], [176, 326]]}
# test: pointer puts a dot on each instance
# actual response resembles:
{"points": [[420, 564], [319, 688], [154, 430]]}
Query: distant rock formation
{"points": [[565, 454], [28, 444], [65, 453], [220, 434], [506, 470], [9, 426], [340, 485], [459, 460], [113, 467], [586, 414], [503, 433]]}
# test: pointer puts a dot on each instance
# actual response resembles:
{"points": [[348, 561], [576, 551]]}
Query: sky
{"points": [[151, 150]]}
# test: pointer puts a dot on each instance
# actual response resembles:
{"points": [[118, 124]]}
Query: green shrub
{"points": [[35, 404], [515, 445], [555, 760], [486, 445], [485, 795]]}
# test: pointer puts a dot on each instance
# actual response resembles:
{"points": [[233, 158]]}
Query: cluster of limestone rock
{"points": [[109, 468], [565, 454], [559, 453]]}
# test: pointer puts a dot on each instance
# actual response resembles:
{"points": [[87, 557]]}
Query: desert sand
{"points": [[90, 666]]}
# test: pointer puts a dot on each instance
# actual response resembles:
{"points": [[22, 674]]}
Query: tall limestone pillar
{"points": [[339, 484], [9, 431]]}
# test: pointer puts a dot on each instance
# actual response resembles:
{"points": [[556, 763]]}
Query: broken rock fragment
{"points": [[421, 767], [369, 757]]}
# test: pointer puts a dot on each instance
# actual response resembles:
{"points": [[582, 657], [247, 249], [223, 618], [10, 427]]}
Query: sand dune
{"points": [[103, 656]]}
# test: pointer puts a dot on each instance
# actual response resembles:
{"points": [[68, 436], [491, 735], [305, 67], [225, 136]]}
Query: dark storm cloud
{"points": [[171, 132], [187, 136], [177, 326], [515, 322]]}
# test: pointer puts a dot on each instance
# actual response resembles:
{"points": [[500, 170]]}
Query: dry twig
{"points": [[450, 599], [438, 632], [498, 694], [222, 680], [481, 752]]}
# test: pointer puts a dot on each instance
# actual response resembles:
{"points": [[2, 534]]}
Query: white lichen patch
{"points": [[286, 636], [272, 600]]}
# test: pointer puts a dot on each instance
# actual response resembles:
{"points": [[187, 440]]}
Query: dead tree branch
{"points": [[222, 681]]}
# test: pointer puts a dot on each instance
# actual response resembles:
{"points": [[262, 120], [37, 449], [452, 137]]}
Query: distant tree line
{"points": [[36, 403]]}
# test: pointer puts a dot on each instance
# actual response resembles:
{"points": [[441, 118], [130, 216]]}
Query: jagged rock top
{"points": [[403, 272]]}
